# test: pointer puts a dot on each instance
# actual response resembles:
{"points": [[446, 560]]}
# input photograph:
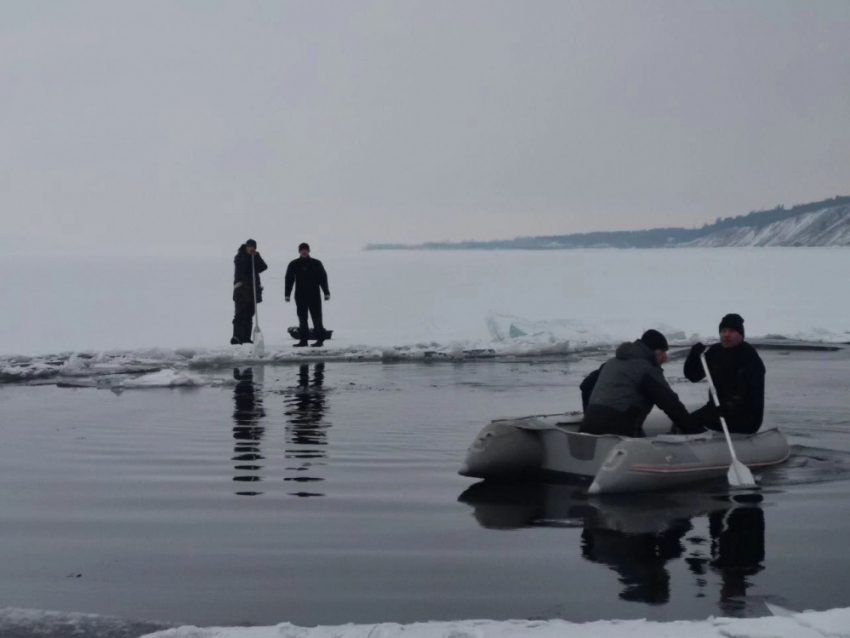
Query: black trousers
{"points": [[707, 417], [600, 419], [243, 321], [310, 306]]}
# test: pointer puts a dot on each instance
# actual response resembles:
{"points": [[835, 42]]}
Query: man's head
{"points": [[731, 330], [656, 342], [304, 250], [250, 246]]}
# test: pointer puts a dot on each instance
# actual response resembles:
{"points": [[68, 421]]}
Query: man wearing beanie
{"points": [[738, 374], [619, 396], [308, 277]]}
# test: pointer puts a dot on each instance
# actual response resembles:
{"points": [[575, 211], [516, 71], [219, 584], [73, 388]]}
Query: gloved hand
{"points": [[327, 297], [697, 349], [287, 300]]}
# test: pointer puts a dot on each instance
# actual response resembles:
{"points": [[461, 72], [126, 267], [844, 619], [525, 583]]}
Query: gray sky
{"points": [[151, 127]]}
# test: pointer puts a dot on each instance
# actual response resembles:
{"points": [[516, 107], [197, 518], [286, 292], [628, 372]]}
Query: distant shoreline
{"points": [[825, 223]]}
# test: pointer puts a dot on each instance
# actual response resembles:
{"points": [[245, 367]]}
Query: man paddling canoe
{"points": [[738, 373]]}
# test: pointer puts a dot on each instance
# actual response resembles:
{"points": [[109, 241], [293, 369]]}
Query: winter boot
{"points": [[301, 344]]}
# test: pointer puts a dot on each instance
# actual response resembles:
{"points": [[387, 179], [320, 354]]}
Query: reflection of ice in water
{"points": [[247, 432], [306, 427]]}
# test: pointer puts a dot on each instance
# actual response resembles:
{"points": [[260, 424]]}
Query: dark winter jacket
{"points": [[243, 287], [738, 374], [308, 276], [619, 396]]}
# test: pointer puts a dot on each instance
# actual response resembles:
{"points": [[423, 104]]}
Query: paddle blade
{"points": [[776, 610], [740, 476], [259, 342]]}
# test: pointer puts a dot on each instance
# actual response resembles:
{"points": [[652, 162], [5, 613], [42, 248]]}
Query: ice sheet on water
{"points": [[163, 379], [569, 334], [510, 336], [833, 624], [561, 297]]}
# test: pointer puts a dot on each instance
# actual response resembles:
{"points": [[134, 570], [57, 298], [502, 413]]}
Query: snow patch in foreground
{"points": [[832, 624]]}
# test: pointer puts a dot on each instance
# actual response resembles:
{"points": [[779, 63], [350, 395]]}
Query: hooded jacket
{"points": [[243, 287], [620, 395], [738, 374]]}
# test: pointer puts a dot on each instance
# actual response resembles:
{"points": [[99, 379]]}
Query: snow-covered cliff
{"points": [[822, 223], [826, 227]]}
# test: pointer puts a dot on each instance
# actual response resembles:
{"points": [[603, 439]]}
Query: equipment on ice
{"points": [[295, 333]]}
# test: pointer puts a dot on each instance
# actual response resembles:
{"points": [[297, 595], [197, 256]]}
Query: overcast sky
{"points": [[152, 127]]}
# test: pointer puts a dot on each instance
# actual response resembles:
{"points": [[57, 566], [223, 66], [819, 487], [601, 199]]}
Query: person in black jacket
{"points": [[618, 397], [738, 374], [310, 280], [247, 263]]}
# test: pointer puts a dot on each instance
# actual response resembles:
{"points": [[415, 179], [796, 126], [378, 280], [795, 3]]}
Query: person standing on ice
{"points": [[738, 373], [308, 277], [247, 264], [619, 396]]}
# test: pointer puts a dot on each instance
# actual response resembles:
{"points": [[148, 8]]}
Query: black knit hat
{"points": [[733, 321], [654, 340], [304, 246], [251, 242]]}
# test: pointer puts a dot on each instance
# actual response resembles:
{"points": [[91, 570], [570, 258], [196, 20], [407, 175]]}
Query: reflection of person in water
{"points": [[306, 426], [306, 408], [639, 556], [640, 559], [737, 550], [246, 429]]}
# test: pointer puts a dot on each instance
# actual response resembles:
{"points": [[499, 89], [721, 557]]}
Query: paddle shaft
{"points": [[254, 282], [713, 392]]}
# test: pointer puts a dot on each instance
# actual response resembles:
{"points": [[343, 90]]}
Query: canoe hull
{"points": [[552, 449]]}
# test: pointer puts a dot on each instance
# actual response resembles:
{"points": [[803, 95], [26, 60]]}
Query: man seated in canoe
{"points": [[618, 397], [738, 374]]}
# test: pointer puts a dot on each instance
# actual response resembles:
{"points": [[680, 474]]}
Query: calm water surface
{"points": [[329, 494]]}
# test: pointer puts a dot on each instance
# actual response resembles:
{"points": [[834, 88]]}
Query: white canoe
{"points": [[550, 448]]}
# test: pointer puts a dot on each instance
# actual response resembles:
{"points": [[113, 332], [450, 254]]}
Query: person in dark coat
{"points": [[618, 396], [308, 277], [738, 374], [247, 263]]}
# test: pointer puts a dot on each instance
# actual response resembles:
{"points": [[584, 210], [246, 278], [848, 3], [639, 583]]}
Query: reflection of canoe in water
{"points": [[521, 505], [638, 535], [552, 448]]}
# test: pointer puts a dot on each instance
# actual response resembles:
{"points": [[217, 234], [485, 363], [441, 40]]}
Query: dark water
{"points": [[328, 494]]}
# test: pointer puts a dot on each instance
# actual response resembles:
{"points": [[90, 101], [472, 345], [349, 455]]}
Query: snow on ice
{"points": [[832, 624], [826, 624]]}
